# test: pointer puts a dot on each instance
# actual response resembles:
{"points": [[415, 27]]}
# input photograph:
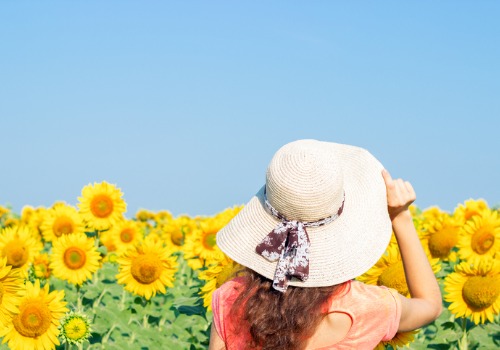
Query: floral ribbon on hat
{"points": [[289, 243]]}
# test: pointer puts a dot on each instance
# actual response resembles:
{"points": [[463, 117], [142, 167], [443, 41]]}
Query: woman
{"points": [[323, 218]]}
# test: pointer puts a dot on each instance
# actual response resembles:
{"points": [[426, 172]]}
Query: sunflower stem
{"points": [[106, 337], [463, 343], [122, 300], [78, 298], [98, 300], [145, 321]]}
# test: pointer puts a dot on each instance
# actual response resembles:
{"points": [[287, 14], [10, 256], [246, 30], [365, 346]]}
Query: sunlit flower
{"points": [[75, 328], [19, 247], [162, 217], [11, 291], [34, 218], [126, 234], [148, 269], [144, 215], [176, 231], [470, 208], [201, 244], [442, 237], [74, 258], [480, 236], [473, 290], [403, 339], [101, 205], [389, 271], [41, 267], [215, 276], [35, 326], [62, 219]]}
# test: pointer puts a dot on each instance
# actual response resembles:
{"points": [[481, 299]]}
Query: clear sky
{"points": [[183, 104]]}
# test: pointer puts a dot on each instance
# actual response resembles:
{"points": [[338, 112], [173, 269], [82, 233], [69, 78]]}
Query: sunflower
{"points": [[389, 271], [19, 247], [40, 267], [470, 208], [34, 218], [4, 210], [433, 213], [26, 214], [125, 235], [442, 236], [75, 328], [101, 205], [176, 231], [35, 326], [144, 215], [148, 269], [399, 340], [11, 291], [107, 240], [74, 258], [227, 214], [474, 289], [480, 236], [215, 276], [162, 217], [202, 244], [62, 219]]}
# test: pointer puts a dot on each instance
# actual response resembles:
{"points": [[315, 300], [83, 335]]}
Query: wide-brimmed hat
{"points": [[332, 191]]}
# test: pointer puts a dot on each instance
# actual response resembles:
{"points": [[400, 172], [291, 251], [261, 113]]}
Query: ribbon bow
{"points": [[289, 244]]}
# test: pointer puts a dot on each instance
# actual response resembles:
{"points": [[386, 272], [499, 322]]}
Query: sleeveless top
{"points": [[375, 312]]}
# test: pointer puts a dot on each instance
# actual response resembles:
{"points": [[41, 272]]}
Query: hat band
{"points": [[289, 243]]}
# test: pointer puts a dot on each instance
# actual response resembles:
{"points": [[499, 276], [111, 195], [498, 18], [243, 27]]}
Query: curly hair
{"points": [[278, 320]]}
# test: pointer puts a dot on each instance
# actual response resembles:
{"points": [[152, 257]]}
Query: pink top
{"points": [[375, 312]]}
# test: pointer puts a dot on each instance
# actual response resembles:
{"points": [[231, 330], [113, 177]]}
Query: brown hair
{"points": [[278, 320]]}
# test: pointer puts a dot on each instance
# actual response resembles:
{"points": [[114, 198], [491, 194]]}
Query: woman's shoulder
{"points": [[358, 294], [231, 288]]}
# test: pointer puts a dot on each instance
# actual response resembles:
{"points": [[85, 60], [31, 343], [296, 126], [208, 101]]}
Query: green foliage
{"points": [[120, 320]]}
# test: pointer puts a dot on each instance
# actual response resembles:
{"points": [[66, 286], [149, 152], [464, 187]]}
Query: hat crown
{"points": [[304, 181]]}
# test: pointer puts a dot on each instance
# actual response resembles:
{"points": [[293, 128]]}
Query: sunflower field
{"points": [[87, 277]]}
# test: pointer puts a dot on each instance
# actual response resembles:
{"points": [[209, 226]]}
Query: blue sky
{"points": [[183, 104]]}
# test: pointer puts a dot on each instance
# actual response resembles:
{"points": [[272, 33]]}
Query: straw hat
{"points": [[307, 181]]}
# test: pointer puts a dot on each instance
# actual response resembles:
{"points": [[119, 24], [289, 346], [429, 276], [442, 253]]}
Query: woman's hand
{"points": [[400, 194]]}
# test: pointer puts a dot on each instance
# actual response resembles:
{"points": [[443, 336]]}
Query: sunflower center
{"points": [[16, 253], [63, 226], [482, 241], [479, 292], [441, 242], [394, 277], [146, 268], [101, 206], [127, 235], [74, 258], [176, 237], [75, 329], [209, 240], [33, 320]]}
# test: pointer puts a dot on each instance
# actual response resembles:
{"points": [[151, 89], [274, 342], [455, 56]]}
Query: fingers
{"points": [[387, 178], [410, 190], [398, 190]]}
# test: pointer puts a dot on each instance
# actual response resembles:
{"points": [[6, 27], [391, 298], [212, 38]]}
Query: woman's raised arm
{"points": [[425, 303]]}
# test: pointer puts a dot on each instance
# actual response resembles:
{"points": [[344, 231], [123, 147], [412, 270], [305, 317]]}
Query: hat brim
{"points": [[340, 250]]}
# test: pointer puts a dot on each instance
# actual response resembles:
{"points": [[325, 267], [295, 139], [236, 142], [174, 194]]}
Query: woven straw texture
{"points": [[306, 180]]}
